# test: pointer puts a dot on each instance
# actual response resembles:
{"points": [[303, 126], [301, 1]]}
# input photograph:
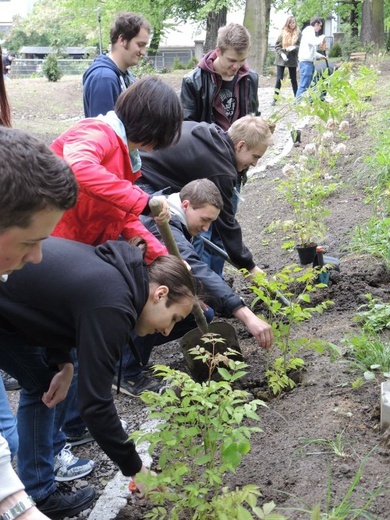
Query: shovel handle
{"points": [[170, 243]]}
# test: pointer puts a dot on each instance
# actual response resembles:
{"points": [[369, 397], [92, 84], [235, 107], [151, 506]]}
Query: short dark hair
{"points": [[314, 20], [201, 192], [127, 25], [171, 271], [32, 178], [151, 113]]}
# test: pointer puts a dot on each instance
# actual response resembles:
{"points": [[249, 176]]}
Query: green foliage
{"points": [[336, 51], [335, 446], [373, 238], [297, 284], [145, 67], [177, 64], [369, 352], [376, 317], [304, 189], [51, 69], [192, 63], [378, 162], [348, 90], [201, 435]]}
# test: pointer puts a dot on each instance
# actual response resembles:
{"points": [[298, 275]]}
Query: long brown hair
{"points": [[289, 37], [5, 111]]}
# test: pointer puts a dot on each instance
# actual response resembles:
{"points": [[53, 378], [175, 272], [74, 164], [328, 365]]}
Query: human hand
{"points": [[164, 214], [284, 56], [141, 488], [253, 272], [59, 386], [260, 330]]}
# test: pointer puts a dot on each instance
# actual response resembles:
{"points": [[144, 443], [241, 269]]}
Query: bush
{"points": [[336, 51], [51, 68], [177, 64], [192, 63]]}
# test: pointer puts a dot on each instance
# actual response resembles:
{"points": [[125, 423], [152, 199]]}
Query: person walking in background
{"points": [[308, 53], [222, 88], [108, 76], [7, 63], [286, 49]]}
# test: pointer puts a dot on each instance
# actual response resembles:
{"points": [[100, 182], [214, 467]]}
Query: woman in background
{"points": [[286, 49]]}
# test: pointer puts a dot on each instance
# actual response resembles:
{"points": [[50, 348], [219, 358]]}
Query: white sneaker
{"points": [[67, 467]]}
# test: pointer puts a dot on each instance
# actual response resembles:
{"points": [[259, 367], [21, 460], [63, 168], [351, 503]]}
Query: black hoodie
{"points": [[89, 298]]}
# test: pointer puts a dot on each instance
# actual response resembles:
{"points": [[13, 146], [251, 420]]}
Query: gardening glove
{"points": [[284, 56]]}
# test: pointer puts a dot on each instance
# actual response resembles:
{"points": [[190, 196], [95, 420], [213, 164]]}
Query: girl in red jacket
{"points": [[148, 115]]}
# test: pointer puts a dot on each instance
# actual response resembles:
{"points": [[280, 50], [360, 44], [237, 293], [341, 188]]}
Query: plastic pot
{"points": [[306, 253]]}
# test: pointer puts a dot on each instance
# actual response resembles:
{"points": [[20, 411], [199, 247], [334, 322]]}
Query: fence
{"points": [[33, 67]]}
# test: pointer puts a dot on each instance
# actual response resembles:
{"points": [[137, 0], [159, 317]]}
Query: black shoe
{"points": [[10, 383], [61, 504], [139, 385]]}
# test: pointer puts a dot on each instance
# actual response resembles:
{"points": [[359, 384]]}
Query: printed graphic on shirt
{"points": [[227, 97]]}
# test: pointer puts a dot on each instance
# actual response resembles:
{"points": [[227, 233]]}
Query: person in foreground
{"points": [[91, 298], [35, 189], [192, 211]]}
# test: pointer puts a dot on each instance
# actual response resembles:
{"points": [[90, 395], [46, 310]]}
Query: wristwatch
{"points": [[18, 509]]}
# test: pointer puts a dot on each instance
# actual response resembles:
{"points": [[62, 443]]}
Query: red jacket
{"points": [[108, 204]]}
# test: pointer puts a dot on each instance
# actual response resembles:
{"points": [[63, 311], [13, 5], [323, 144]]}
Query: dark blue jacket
{"points": [[103, 82], [217, 293]]}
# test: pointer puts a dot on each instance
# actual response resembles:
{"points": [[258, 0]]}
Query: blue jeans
{"points": [[39, 441], [306, 73], [72, 424], [131, 367], [8, 428]]}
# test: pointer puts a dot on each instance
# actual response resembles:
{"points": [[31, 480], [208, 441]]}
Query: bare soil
{"points": [[323, 404]]}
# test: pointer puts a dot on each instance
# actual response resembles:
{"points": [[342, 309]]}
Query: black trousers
{"points": [[280, 75]]}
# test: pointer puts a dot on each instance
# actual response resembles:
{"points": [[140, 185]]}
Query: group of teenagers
{"points": [[87, 281]]}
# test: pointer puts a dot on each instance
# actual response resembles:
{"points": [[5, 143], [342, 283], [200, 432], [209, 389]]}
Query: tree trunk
{"points": [[354, 20], [256, 20], [214, 22], [373, 22]]}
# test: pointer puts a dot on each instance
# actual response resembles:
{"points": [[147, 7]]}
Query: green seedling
{"points": [[340, 508], [297, 284], [203, 433], [335, 446]]}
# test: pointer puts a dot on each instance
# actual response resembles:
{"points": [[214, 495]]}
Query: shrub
{"points": [[177, 64], [51, 68], [336, 51]]}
